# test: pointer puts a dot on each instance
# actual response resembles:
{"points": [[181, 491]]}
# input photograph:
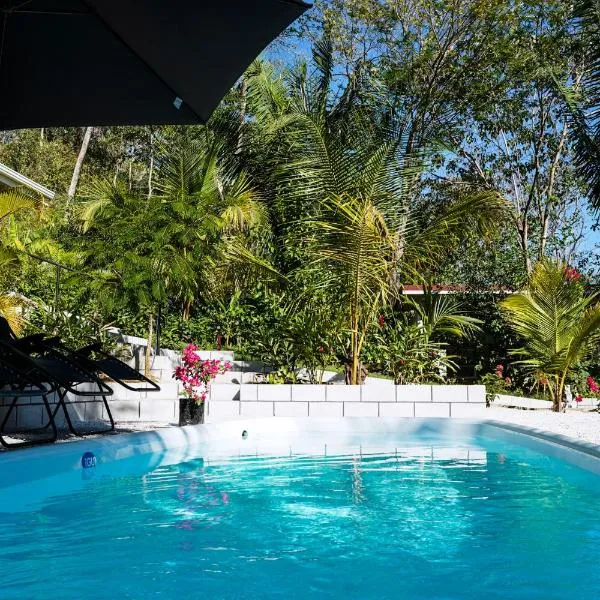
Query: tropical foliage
{"points": [[415, 343], [558, 322], [392, 144]]}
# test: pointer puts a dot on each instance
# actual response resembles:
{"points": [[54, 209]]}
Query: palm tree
{"points": [[358, 255], [167, 247], [558, 322], [346, 185], [12, 202], [584, 104], [414, 343]]}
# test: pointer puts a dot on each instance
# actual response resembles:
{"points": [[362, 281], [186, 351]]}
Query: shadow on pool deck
{"points": [[66, 436]]}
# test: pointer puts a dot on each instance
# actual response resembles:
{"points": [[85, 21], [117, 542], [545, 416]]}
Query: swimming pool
{"points": [[326, 509]]}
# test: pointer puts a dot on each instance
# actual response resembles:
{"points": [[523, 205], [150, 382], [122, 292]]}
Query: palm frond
{"points": [[13, 201], [557, 322]]}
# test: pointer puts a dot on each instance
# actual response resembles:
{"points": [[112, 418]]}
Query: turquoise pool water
{"points": [[424, 518]]}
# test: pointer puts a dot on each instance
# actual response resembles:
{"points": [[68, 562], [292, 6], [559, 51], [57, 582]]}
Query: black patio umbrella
{"points": [[128, 62]]}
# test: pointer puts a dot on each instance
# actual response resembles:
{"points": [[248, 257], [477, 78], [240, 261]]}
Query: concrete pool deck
{"points": [[580, 425]]}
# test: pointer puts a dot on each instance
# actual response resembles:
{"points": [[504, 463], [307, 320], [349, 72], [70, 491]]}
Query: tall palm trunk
{"points": [[355, 350], [559, 392], [79, 163]]}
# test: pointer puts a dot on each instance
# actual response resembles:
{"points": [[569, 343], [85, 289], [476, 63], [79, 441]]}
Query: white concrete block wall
{"points": [[308, 393], [127, 406], [397, 409], [343, 393], [326, 409], [361, 409], [468, 410], [291, 409], [274, 393], [476, 393], [413, 393], [449, 393], [433, 409], [257, 409], [229, 401], [375, 393]]}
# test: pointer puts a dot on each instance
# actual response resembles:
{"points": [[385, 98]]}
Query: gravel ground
{"points": [[576, 424]]}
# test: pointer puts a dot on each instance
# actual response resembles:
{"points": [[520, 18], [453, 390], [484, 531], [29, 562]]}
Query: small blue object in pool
{"points": [[88, 460]]}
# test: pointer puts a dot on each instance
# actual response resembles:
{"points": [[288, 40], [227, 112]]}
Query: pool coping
{"points": [[181, 443], [588, 448]]}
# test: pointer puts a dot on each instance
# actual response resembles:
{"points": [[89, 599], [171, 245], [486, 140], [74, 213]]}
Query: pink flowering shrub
{"points": [[196, 374], [572, 274], [592, 385]]}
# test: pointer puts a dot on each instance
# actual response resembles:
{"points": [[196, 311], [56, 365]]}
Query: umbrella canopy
{"points": [[128, 62]]}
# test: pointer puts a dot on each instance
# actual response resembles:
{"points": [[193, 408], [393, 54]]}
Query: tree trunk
{"points": [[243, 105], [79, 163], [148, 357], [151, 167], [523, 231]]}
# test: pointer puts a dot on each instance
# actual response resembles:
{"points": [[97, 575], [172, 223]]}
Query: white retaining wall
{"points": [[234, 401]]}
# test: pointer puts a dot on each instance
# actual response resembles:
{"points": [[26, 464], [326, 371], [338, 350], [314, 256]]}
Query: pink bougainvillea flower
{"points": [[572, 274], [196, 374], [578, 398]]}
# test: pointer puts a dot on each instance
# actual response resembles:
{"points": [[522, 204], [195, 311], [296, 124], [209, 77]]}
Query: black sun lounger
{"points": [[19, 378], [114, 368], [64, 375], [91, 357]]}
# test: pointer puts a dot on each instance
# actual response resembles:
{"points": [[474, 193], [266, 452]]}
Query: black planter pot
{"points": [[190, 412]]}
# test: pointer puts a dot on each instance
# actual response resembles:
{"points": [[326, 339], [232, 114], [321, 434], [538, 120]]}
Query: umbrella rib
{"points": [[302, 3], [142, 60]]}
